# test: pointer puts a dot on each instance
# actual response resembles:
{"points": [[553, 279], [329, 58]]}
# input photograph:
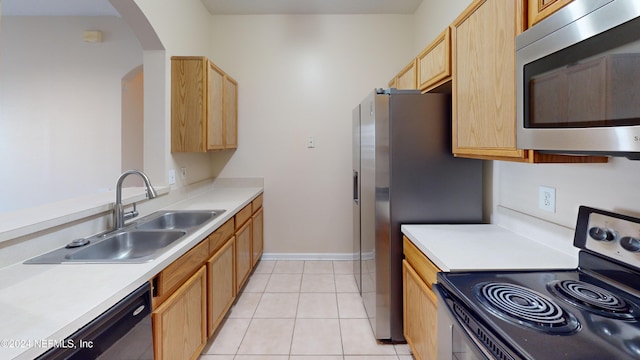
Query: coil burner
{"points": [[522, 306], [594, 299]]}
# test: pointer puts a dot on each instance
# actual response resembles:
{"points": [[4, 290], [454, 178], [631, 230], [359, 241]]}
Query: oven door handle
{"points": [[445, 301]]}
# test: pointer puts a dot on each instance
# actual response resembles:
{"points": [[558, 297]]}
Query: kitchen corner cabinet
{"points": [[204, 106], [484, 85], [540, 9], [420, 303], [179, 324], [434, 62]]}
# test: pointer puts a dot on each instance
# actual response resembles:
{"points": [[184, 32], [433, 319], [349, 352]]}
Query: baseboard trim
{"points": [[308, 256]]}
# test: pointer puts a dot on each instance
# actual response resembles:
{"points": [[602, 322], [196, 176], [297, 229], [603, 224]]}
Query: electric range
{"points": [[592, 312]]}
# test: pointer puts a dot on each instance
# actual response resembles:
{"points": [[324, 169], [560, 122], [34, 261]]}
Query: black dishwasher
{"points": [[123, 332]]}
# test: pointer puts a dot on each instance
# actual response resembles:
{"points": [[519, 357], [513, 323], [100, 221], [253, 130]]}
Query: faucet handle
{"points": [[131, 214]]}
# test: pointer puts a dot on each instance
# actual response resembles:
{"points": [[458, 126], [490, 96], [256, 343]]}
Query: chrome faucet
{"points": [[119, 216]]}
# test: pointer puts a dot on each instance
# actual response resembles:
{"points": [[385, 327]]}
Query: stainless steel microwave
{"points": [[578, 80]]}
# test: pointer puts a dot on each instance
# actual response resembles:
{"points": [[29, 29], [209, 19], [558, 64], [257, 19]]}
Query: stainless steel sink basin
{"points": [[185, 219], [137, 242], [136, 245]]}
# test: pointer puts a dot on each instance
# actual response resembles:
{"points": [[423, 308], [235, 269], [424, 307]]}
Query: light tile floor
{"points": [[299, 310]]}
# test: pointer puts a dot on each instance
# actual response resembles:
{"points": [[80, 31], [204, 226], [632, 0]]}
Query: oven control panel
{"points": [[613, 235]]}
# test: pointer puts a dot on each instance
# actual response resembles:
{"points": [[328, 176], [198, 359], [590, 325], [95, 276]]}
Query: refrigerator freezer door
{"points": [[357, 270], [374, 213]]}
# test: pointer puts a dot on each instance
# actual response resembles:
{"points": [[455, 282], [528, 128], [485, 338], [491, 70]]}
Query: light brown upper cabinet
{"points": [[484, 85], [434, 62], [407, 78], [204, 106], [393, 83], [540, 9]]}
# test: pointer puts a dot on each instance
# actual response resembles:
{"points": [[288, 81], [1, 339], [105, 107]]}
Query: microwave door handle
{"points": [[356, 192]]}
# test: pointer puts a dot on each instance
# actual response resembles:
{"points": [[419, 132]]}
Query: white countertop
{"points": [[485, 247], [50, 302]]}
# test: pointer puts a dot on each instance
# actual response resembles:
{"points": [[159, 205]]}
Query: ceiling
{"points": [[57, 8], [104, 8], [311, 6]]}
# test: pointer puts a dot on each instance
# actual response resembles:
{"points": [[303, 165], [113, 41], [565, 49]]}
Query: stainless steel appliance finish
{"points": [[407, 176], [122, 332], [357, 269], [592, 312], [577, 75], [138, 242]]}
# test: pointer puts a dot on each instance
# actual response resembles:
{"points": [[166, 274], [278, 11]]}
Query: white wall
{"points": [[301, 76], [60, 107], [183, 27], [433, 17], [613, 186]]}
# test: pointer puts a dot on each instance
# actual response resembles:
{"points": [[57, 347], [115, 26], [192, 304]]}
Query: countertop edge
{"points": [[442, 257], [140, 273]]}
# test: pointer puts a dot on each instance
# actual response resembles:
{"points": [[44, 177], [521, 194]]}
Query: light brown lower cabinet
{"points": [[221, 290], [420, 315], [420, 304], [257, 239], [243, 254], [179, 324], [194, 293]]}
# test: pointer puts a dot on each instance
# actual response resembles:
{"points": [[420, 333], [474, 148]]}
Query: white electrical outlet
{"points": [[183, 173], [547, 199], [311, 142], [172, 177]]}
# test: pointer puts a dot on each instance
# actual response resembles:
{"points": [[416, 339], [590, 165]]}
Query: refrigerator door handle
{"points": [[356, 191]]}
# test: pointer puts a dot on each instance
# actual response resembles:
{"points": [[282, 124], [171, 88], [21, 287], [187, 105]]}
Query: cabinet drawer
{"points": [[242, 216], [257, 203], [427, 270], [218, 237], [176, 273]]}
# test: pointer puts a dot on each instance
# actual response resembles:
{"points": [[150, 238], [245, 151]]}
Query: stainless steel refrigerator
{"points": [[403, 173]]}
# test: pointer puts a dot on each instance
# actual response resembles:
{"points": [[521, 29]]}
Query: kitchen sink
{"points": [[137, 242], [177, 219], [127, 245]]}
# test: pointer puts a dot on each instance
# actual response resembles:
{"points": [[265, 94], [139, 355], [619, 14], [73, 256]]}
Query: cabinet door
{"points": [[215, 109], [393, 83], [243, 255], [420, 315], [179, 324], [434, 62], [221, 290], [230, 113], [188, 104], [407, 78], [257, 240], [484, 87], [540, 9]]}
